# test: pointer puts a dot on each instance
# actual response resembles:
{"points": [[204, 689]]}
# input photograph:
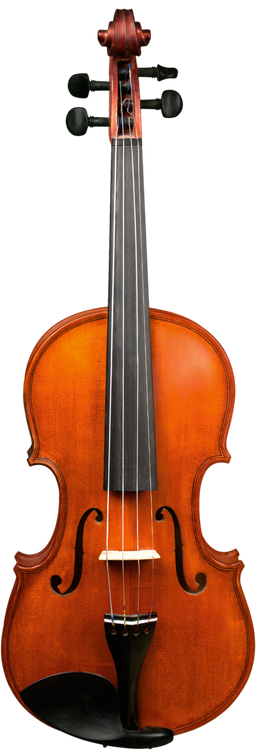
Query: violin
{"points": [[128, 627]]}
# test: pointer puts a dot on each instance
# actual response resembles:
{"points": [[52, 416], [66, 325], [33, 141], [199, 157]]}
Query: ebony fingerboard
{"points": [[129, 391]]}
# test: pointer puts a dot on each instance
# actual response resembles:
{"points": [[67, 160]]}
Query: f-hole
{"points": [[200, 578], [78, 566]]}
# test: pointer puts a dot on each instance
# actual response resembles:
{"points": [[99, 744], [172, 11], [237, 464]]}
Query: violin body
{"points": [[128, 627], [202, 650]]}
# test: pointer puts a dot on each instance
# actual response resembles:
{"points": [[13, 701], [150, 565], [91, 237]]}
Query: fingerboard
{"points": [[130, 456]]}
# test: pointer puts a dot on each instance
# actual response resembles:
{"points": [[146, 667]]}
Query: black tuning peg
{"points": [[170, 103], [80, 85], [78, 122], [159, 72]]}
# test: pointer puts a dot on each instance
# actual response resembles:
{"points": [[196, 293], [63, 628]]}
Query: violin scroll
{"points": [[120, 44]]}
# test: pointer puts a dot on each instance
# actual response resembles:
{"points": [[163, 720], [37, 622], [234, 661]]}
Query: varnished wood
{"points": [[124, 37], [206, 639], [123, 40]]}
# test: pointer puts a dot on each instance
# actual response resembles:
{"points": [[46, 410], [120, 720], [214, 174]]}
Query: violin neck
{"points": [[130, 460]]}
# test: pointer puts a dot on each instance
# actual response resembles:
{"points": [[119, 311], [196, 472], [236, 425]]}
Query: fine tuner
{"points": [[80, 86]]}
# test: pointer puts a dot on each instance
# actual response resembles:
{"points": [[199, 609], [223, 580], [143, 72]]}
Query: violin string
{"points": [[137, 356], [111, 373], [123, 258], [146, 376]]}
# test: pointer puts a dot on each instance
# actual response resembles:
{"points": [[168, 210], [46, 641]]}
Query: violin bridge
{"points": [[116, 554]]}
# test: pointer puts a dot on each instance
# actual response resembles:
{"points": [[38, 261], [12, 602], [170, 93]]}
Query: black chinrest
{"points": [[86, 705]]}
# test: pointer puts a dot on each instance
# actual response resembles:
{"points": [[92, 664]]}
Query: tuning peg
{"points": [[159, 72], [78, 122], [80, 85], [170, 103]]}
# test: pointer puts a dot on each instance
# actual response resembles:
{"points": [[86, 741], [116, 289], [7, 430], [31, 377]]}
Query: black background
{"points": [[58, 223]]}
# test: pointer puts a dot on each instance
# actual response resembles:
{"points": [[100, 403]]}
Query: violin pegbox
{"points": [[123, 40]]}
